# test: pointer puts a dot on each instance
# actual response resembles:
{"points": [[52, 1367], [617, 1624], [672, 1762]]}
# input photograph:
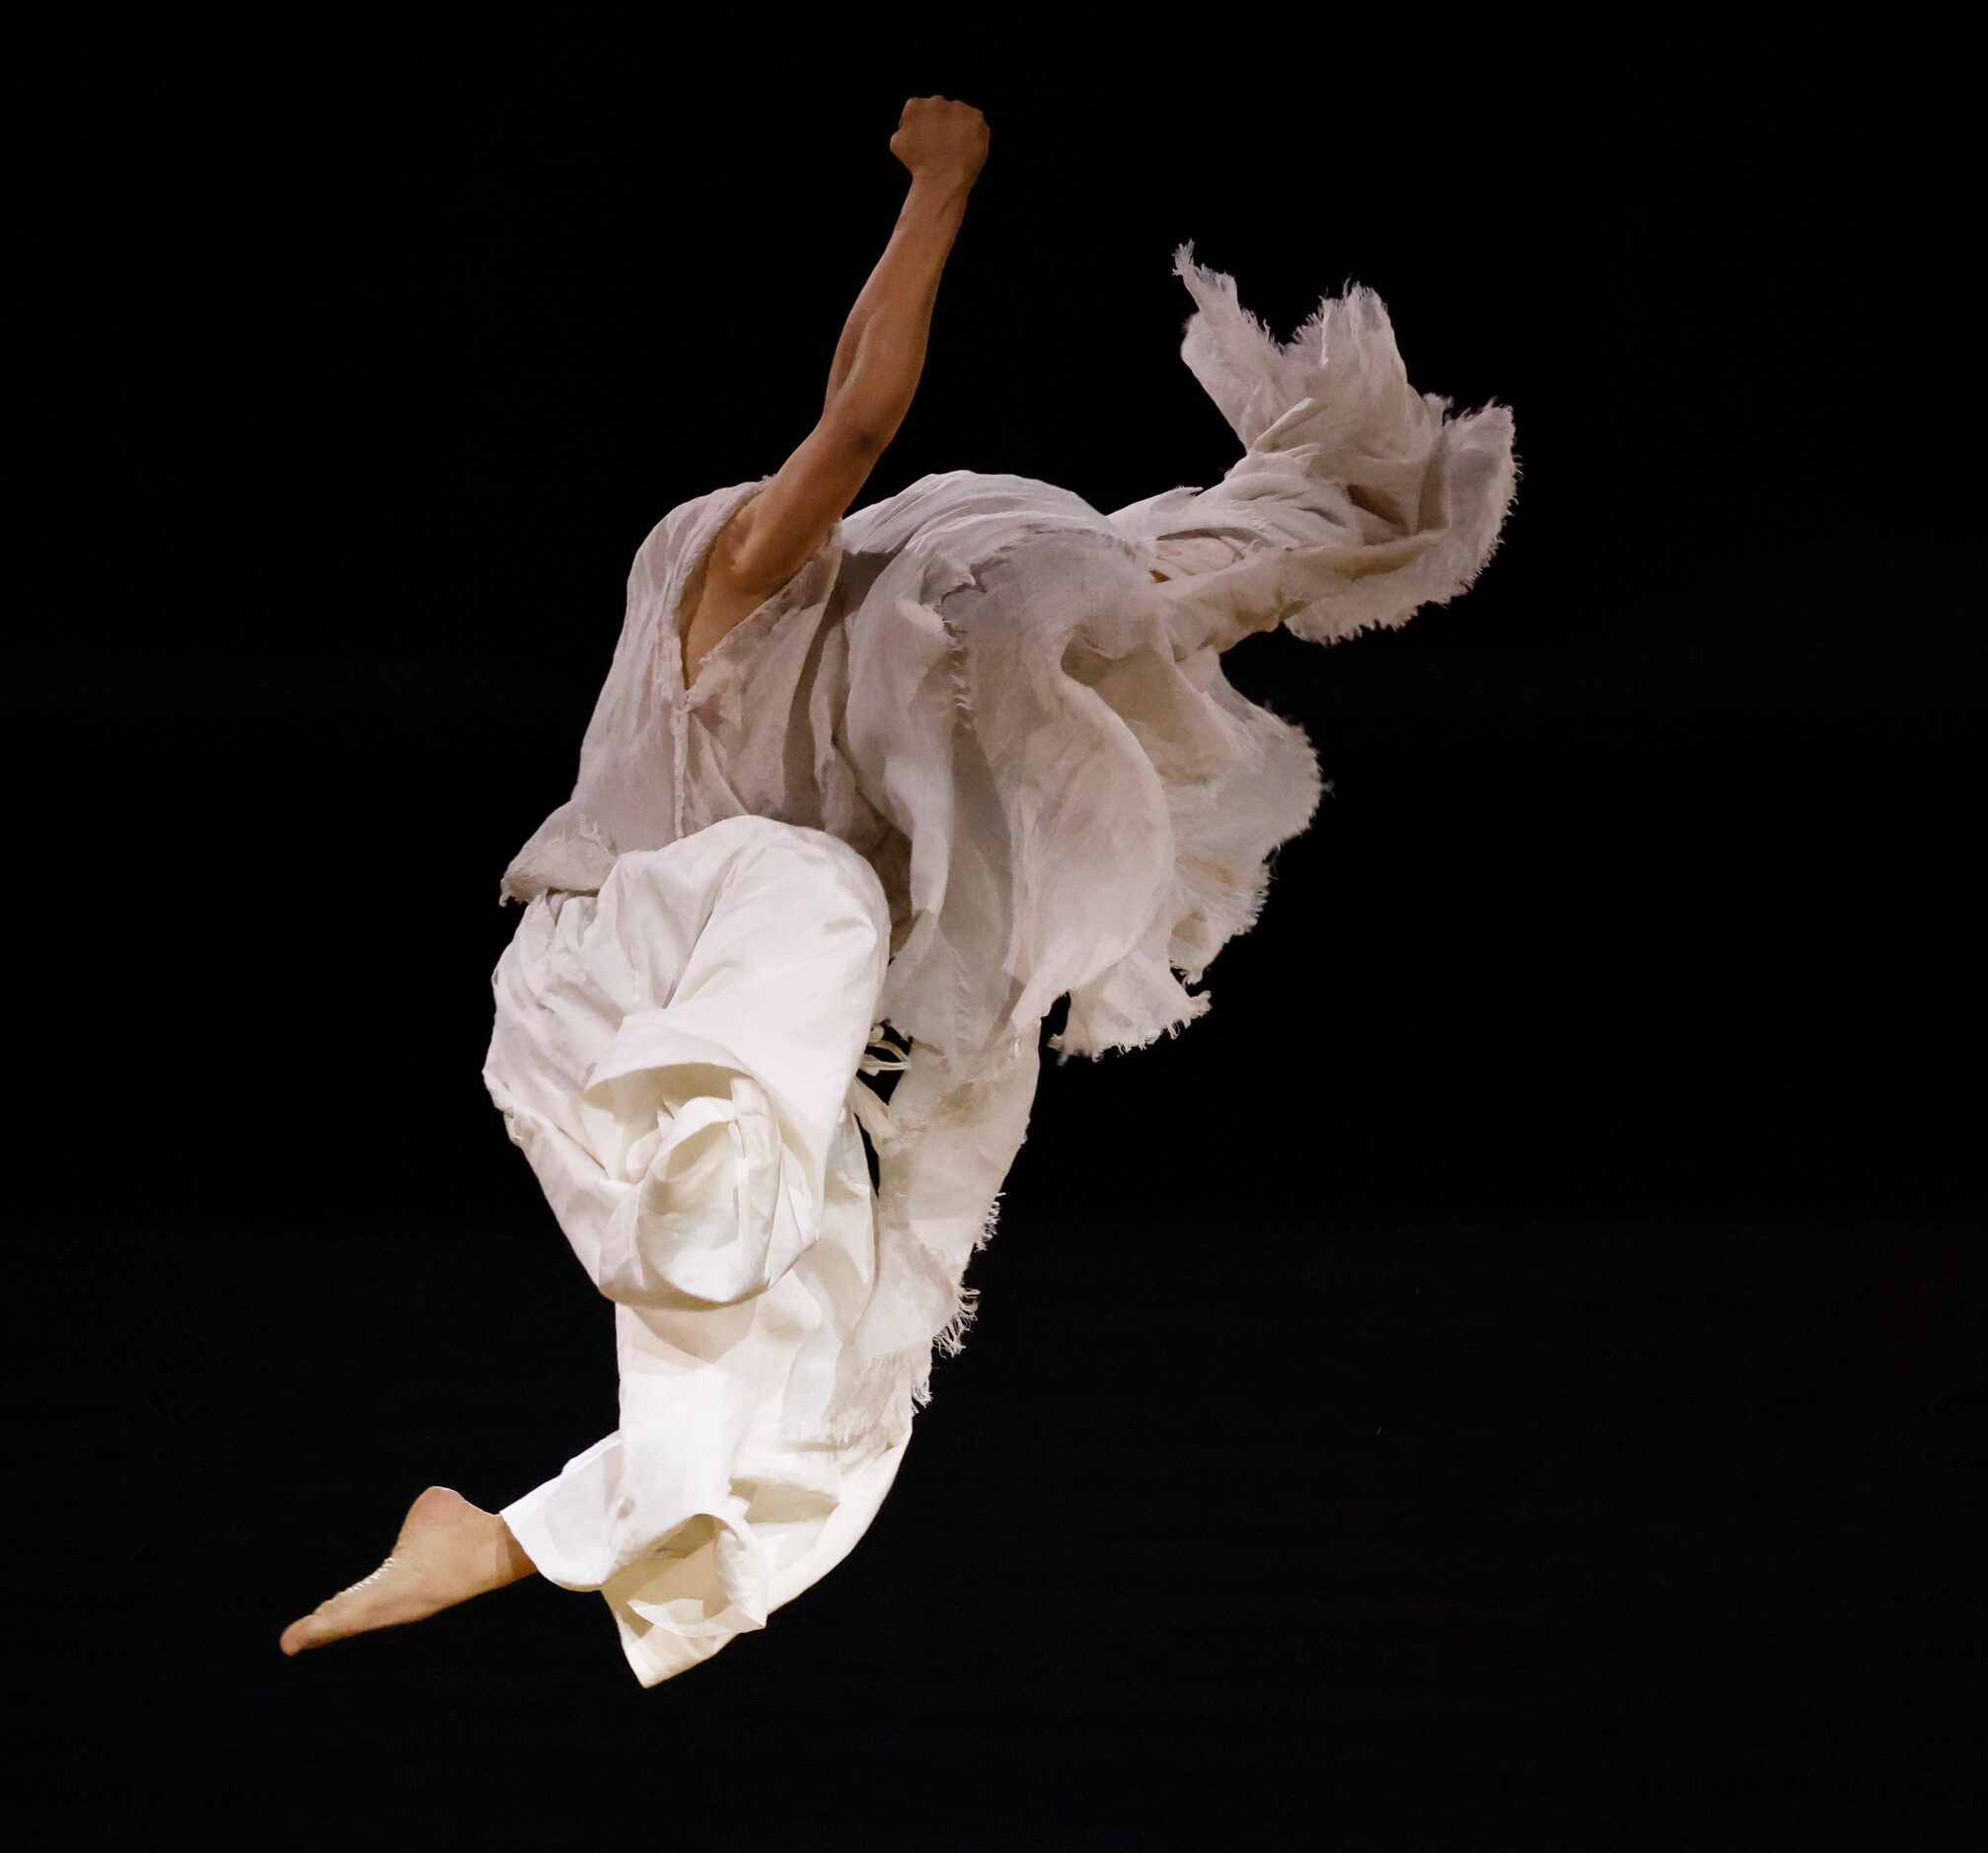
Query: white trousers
{"points": [[676, 1057]]}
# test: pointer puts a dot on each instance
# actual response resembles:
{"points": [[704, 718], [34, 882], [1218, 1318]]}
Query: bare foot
{"points": [[448, 1551]]}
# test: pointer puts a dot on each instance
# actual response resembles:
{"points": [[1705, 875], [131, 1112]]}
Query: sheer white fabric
{"points": [[979, 687]]}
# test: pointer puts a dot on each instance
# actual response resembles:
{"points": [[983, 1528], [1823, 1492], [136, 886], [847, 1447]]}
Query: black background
{"points": [[1497, 1381]]}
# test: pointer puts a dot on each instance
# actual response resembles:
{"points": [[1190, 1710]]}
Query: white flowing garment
{"points": [[971, 759]]}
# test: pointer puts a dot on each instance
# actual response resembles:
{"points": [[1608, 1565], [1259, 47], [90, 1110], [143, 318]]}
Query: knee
{"points": [[797, 857]]}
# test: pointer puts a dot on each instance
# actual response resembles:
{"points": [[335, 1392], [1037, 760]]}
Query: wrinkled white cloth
{"points": [[979, 687], [675, 1057]]}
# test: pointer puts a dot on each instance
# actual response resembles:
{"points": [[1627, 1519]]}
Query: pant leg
{"points": [[675, 1057]]}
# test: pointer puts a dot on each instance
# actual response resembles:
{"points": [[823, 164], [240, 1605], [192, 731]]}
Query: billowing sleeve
{"points": [[1355, 502], [1090, 805]]}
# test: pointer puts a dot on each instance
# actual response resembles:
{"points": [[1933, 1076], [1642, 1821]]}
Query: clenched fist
{"points": [[936, 135]]}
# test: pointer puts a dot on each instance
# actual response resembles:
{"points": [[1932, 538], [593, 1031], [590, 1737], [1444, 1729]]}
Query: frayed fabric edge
{"points": [[1197, 1006], [952, 1336], [906, 1373]]}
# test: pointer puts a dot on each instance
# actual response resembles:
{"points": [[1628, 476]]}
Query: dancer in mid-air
{"points": [[927, 768]]}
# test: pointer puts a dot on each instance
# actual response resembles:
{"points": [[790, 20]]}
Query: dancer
{"points": [[924, 768]]}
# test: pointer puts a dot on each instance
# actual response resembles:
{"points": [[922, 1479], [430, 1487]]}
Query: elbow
{"points": [[866, 431]]}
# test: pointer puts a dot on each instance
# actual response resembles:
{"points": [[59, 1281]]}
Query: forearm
{"points": [[882, 351]]}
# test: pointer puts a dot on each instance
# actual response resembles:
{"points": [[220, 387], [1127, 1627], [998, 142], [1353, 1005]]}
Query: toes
{"points": [[386, 1596], [310, 1631], [332, 1620]]}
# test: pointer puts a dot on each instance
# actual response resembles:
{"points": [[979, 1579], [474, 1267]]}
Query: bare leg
{"points": [[448, 1551]]}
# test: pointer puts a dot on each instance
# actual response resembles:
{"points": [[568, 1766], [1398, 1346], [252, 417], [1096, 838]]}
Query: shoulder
{"points": [[683, 535]]}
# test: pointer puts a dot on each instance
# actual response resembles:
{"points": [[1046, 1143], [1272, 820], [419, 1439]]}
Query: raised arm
{"points": [[877, 362]]}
